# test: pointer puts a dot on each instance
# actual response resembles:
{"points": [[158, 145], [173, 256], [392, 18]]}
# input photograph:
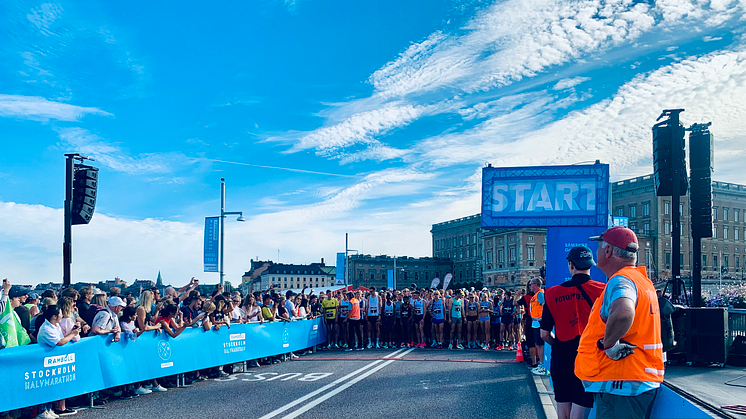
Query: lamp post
{"points": [[223, 213]]}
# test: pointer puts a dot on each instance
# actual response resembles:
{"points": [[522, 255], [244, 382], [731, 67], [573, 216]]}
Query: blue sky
{"points": [[330, 117]]}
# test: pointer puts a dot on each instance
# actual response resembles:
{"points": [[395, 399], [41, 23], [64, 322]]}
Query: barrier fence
{"points": [[37, 374]]}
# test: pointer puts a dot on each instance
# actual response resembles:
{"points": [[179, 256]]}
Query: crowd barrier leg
{"points": [[90, 402]]}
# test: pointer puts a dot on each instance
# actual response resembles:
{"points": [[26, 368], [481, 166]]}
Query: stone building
{"points": [[287, 276], [460, 241], [368, 271], [650, 217]]}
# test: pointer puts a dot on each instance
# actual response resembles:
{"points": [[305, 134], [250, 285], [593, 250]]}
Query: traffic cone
{"points": [[519, 353]]}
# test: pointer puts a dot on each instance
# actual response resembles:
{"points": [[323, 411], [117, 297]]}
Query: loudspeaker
{"points": [[701, 149], [707, 335], [666, 136], [737, 355], [85, 186], [700, 202]]}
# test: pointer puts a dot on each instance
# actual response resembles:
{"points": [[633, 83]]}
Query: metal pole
{"points": [[677, 134], [222, 226], [394, 272], [720, 269], [67, 246], [697, 271], [347, 263]]}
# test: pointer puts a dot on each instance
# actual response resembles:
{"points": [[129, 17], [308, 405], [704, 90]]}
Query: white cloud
{"points": [[40, 109], [82, 141], [43, 16], [568, 83]]}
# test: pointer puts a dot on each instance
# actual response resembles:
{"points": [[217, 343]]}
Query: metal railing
{"points": [[736, 323]]}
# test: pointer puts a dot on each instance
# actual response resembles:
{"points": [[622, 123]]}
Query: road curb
{"points": [[542, 397]]}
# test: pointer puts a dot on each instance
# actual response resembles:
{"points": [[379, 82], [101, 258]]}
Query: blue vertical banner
{"points": [[340, 269], [212, 233], [390, 279]]}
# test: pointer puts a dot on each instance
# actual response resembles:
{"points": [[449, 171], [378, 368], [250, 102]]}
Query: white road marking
{"points": [[328, 386], [343, 387]]}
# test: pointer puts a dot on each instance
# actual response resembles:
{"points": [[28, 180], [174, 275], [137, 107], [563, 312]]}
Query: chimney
{"points": [[322, 262]]}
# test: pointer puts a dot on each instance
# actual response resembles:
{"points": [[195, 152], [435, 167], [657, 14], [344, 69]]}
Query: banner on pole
{"points": [[447, 281], [390, 279], [435, 283], [340, 278], [212, 235]]}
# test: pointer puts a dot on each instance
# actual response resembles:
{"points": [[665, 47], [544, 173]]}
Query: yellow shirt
{"points": [[330, 308]]}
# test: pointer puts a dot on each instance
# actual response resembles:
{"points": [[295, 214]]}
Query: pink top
{"points": [[67, 324]]}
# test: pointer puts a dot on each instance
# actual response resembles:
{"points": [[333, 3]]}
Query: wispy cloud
{"points": [[114, 157], [41, 109], [568, 83]]}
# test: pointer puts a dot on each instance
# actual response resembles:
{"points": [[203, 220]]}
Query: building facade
{"points": [[505, 257], [372, 271], [650, 217], [460, 241], [286, 276]]}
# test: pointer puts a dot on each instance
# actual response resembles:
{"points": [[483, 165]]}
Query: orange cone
{"points": [[519, 353]]}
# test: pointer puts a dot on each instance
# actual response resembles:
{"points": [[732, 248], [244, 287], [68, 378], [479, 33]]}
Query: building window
{"points": [[681, 209], [500, 256], [489, 243], [725, 260], [666, 208], [704, 261], [666, 228], [633, 227], [646, 208], [681, 259], [530, 238], [646, 229], [512, 254], [736, 214], [633, 211], [725, 233], [715, 232], [620, 211], [461, 254], [436, 245], [489, 256], [454, 242], [738, 262], [714, 261], [735, 233], [668, 260], [725, 214], [467, 239], [714, 213], [530, 253], [512, 239], [461, 241]]}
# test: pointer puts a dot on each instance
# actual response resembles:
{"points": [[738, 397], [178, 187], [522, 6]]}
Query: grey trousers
{"points": [[610, 406]]}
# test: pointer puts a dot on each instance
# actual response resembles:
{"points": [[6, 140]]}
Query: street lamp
{"points": [[223, 213]]}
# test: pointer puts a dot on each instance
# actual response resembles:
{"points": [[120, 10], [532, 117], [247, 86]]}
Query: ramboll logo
{"points": [[56, 361], [237, 336], [164, 350]]}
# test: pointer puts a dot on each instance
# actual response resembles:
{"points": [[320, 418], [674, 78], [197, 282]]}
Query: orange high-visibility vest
{"points": [[536, 309], [646, 364], [355, 309]]}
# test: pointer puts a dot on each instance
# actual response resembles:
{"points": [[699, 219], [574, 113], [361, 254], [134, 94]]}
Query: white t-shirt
{"points": [[105, 319], [254, 319], [237, 312], [50, 334], [302, 312]]}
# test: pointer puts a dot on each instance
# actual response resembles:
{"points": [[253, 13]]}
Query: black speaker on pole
{"points": [[702, 161], [666, 136], [85, 186]]}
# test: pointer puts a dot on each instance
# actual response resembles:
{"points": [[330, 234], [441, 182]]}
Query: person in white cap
{"points": [[107, 321]]}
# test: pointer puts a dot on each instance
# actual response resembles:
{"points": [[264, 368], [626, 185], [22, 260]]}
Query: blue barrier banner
{"points": [[559, 242], [545, 196], [212, 233], [340, 269], [37, 374]]}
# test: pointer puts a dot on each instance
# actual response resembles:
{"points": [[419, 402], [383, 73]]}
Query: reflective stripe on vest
{"points": [[536, 309], [646, 363]]}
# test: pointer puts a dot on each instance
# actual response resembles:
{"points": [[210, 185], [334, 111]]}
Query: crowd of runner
{"points": [[457, 319]]}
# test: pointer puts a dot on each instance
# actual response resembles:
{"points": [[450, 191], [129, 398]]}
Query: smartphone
{"points": [[76, 326]]}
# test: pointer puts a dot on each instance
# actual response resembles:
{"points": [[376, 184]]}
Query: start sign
{"points": [[571, 196]]}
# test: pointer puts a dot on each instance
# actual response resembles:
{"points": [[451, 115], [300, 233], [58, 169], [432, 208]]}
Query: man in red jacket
{"points": [[566, 310]]}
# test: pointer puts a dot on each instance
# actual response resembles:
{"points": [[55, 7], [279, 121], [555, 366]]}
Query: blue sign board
{"points": [[545, 196], [559, 242], [340, 278], [390, 279], [212, 233], [620, 222]]}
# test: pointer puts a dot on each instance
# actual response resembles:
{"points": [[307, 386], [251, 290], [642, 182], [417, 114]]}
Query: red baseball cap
{"points": [[620, 237]]}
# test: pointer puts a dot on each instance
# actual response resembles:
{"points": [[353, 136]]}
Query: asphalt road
{"points": [[416, 383]]}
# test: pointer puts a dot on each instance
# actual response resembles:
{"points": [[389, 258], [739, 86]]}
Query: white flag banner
{"points": [[447, 281], [435, 283]]}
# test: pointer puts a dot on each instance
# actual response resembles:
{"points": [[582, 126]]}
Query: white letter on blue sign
{"points": [[566, 195], [541, 197], [499, 197], [519, 189], [590, 198]]}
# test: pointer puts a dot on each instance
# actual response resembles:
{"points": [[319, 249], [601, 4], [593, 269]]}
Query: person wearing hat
{"points": [[566, 310], [107, 321], [18, 297], [620, 355]]}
